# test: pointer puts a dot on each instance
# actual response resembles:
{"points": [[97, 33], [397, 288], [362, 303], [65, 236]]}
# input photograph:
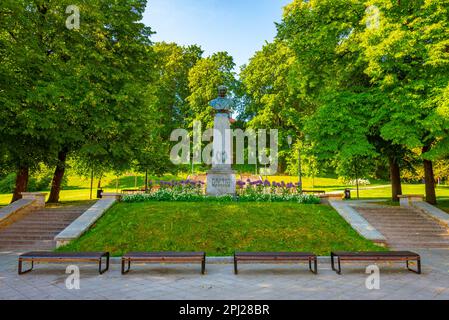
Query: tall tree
{"points": [[204, 79], [271, 103], [329, 74], [86, 88], [408, 59]]}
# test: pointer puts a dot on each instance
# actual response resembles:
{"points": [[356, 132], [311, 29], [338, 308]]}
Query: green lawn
{"points": [[444, 205], [385, 193], [219, 229]]}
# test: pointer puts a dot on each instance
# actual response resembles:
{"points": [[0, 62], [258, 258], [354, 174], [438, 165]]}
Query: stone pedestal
{"points": [[221, 182]]}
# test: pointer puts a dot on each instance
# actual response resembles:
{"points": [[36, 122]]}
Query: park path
{"points": [[406, 228], [36, 231]]}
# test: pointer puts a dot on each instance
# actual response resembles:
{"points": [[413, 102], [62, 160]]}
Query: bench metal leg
{"points": [[332, 262], [339, 265], [107, 264], [26, 271], [418, 270], [338, 271], [203, 266], [236, 271], [315, 265], [125, 271]]}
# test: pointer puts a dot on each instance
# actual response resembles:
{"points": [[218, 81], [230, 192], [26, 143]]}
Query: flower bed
{"points": [[191, 191]]}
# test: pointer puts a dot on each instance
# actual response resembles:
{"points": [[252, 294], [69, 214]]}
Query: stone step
{"points": [[26, 237], [407, 228], [23, 249], [47, 220], [53, 216], [28, 233], [46, 213], [40, 224], [418, 239], [412, 229], [24, 242], [37, 230], [34, 229], [413, 245]]}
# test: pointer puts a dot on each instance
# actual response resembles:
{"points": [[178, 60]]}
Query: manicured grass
{"points": [[385, 193], [220, 229], [444, 205]]}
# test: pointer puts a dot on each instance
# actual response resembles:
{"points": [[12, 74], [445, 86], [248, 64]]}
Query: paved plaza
{"points": [[258, 282]]}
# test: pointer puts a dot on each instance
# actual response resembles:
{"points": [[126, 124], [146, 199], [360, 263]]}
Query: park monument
{"points": [[221, 178]]}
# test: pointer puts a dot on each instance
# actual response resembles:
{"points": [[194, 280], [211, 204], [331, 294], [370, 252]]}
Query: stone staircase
{"points": [[36, 231], [406, 228]]}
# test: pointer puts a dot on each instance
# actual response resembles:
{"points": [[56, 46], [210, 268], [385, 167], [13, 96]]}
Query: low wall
{"points": [[30, 202], [81, 225]]}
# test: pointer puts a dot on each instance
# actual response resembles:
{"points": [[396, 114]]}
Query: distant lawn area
{"points": [[220, 229]]}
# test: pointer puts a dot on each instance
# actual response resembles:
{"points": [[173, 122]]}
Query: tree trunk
{"points": [[395, 177], [57, 177], [21, 183], [431, 196], [99, 182], [146, 181], [91, 184]]}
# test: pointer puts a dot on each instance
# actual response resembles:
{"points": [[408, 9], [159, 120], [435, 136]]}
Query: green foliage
{"points": [[378, 88], [164, 195], [204, 79], [39, 181]]}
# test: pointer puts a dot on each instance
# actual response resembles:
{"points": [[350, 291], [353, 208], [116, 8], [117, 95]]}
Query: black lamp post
{"points": [[290, 141]]}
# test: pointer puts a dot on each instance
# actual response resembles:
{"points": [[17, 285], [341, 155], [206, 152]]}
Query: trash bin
{"points": [[347, 194], [99, 193]]}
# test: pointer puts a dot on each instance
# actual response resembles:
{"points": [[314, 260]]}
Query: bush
{"points": [[8, 183], [40, 181], [193, 196]]}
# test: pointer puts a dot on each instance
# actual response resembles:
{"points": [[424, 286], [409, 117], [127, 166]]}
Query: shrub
{"points": [[168, 194]]}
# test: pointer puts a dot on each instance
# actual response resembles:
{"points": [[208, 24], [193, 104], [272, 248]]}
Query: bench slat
{"points": [[63, 255], [391, 254], [155, 255], [275, 257], [163, 257], [274, 254]]}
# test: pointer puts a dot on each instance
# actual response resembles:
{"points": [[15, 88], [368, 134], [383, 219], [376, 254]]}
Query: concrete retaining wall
{"points": [[85, 221]]}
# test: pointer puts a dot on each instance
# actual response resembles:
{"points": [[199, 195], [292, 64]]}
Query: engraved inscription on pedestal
{"points": [[221, 183]]}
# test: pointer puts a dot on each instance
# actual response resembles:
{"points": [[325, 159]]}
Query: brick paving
{"points": [[183, 282]]}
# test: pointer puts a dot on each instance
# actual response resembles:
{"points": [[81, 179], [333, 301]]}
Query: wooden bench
{"points": [[51, 257], [164, 257], [406, 256], [275, 257]]}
